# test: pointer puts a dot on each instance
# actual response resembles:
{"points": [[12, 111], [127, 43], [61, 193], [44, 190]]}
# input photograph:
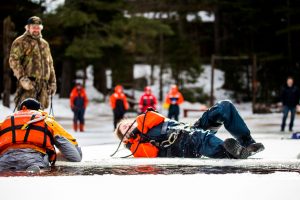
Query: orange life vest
{"points": [[117, 96], [36, 136], [174, 97], [142, 150], [145, 149]]}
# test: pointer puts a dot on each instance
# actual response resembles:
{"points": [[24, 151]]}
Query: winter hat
{"points": [[31, 104], [34, 20]]}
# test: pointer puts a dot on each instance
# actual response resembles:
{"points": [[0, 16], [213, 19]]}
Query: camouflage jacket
{"points": [[32, 57]]}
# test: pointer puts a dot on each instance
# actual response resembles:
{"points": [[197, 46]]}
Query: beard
{"points": [[35, 34]]}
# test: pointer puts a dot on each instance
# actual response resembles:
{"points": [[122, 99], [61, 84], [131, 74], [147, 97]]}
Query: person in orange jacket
{"points": [[173, 99], [147, 100], [78, 103], [29, 138], [153, 135], [119, 104]]}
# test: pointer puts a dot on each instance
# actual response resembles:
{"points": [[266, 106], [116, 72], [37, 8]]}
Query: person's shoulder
{"points": [[19, 39], [44, 41]]}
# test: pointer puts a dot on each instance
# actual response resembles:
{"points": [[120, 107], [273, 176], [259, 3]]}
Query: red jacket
{"points": [[146, 101]]}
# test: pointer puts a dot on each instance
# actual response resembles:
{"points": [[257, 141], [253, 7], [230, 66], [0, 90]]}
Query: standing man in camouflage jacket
{"points": [[31, 61]]}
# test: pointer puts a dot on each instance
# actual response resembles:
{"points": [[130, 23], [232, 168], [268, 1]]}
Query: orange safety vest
{"points": [[146, 149], [36, 136]]}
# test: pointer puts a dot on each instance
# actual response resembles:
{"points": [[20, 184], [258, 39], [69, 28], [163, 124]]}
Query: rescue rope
{"points": [[18, 101], [51, 106], [137, 146], [123, 138]]}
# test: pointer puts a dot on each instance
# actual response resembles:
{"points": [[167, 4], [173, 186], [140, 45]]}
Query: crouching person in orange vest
{"points": [[28, 139], [153, 135]]}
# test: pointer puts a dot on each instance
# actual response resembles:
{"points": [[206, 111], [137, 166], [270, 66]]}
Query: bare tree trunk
{"points": [[8, 34], [289, 35], [161, 62], [84, 75], [100, 78], [217, 37], [152, 74], [66, 78]]}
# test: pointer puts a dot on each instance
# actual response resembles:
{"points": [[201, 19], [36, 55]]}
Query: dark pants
{"points": [[201, 139], [78, 116], [173, 112], [285, 112], [118, 115]]}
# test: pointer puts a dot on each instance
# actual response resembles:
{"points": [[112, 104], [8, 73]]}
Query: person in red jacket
{"points": [[78, 103], [119, 104], [147, 100], [173, 99]]}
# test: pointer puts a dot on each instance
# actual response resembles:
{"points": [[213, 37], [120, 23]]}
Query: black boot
{"points": [[245, 141], [255, 148], [235, 149], [238, 151]]}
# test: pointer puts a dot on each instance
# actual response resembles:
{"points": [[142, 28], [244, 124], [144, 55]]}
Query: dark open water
{"points": [[151, 169]]}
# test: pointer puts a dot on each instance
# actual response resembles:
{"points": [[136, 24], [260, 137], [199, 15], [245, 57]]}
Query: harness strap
{"points": [[12, 118], [28, 129], [45, 135], [165, 126], [32, 127]]}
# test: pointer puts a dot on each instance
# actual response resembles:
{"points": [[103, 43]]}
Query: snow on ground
{"points": [[98, 143]]}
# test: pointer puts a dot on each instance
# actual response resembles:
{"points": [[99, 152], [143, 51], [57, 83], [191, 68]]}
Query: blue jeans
{"points": [[201, 139], [285, 112], [225, 113]]}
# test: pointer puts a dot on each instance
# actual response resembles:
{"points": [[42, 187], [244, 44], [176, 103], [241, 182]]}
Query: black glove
{"points": [[133, 134]]}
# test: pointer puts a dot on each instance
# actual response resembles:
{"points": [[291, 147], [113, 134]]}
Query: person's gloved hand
{"points": [[52, 88], [26, 83]]}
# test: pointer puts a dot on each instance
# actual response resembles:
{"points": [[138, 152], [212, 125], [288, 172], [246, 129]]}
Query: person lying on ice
{"points": [[28, 139], [153, 135]]}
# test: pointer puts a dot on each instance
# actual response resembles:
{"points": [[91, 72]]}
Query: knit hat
{"points": [[34, 20], [30, 103]]}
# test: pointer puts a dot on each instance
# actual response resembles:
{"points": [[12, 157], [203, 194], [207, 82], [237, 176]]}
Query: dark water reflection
{"points": [[150, 169]]}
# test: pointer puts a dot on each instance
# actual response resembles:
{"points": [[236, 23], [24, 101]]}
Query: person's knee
{"points": [[226, 102]]}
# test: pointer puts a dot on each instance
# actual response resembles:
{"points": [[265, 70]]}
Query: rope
{"points": [[51, 106], [140, 137], [122, 139]]}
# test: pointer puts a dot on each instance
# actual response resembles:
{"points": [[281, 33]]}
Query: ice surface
{"points": [[271, 174]]}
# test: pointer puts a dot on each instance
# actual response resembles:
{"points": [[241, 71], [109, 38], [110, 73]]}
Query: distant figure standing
{"points": [[290, 99], [119, 104], [78, 103], [147, 100], [173, 99], [31, 61]]}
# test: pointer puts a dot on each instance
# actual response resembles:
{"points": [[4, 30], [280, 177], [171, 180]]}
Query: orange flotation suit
{"points": [[36, 136], [144, 123]]}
